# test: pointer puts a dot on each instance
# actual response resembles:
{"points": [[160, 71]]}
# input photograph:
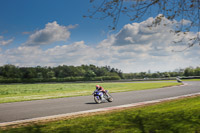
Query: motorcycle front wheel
{"points": [[97, 99]]}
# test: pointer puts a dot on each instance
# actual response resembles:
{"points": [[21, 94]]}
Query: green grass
{"points": [[179, 116], [191, 79], [24, 92]]}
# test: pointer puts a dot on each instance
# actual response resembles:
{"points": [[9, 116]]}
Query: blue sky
{"points": [[28, 15], [52, 33]]}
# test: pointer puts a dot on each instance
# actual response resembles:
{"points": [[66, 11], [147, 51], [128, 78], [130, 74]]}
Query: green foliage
{"points": [[13, 74], [66, 79], [90, 74], [179, 116], [190, 71]]}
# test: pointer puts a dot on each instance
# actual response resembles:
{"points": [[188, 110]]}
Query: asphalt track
{"points": [[40, 108]]}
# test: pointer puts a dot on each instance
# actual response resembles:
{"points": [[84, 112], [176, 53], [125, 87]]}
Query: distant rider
{"points": [[100, 88], [178, 79]]}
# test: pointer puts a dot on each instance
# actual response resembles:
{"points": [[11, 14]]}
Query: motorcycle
{"points": [[178, 80], [99, 96]]}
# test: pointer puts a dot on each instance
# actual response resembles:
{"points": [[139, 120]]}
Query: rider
{"points": [[178, 79], [100, 88]]}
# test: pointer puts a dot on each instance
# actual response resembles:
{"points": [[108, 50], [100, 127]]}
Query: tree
{"points": [[50, 74], [101, 71], [39, 75], [184, 10], [10, 71], [189, 71], [197, 71], [89, 74], [28, 72]]}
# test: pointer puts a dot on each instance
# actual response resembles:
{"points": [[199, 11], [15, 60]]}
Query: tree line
{"points": [[189, 71], [12, 73]]}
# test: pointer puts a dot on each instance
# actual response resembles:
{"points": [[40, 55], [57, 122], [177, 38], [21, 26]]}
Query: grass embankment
{"points": [[179, 116], [24, 92]]}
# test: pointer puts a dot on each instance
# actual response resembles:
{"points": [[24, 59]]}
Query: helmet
{"points": [[97, 86]]}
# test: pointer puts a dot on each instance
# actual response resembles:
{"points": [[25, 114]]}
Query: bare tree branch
{"points": [[138, 9]]}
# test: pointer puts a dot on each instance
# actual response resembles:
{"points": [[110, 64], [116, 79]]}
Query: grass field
{"points": [[24, 92], [191, 79], [178, 116]]}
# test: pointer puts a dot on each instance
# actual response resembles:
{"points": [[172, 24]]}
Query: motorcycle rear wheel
{"points": [[110, 99]]}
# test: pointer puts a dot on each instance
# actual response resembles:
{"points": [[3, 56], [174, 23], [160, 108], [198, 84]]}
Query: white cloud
{"points": [[5, 42], [140, 46], [52, 32], [73, 54], [136, 47]]}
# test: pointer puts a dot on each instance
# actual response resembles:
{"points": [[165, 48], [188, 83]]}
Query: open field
{"points": [[24, 92], [181, 115]]}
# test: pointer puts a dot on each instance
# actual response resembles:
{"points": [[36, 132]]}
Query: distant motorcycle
{"points": [[179, 80], [99, 96]]}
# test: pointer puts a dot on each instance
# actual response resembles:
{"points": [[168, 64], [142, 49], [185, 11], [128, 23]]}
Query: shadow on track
{"points": [[91, 103]]}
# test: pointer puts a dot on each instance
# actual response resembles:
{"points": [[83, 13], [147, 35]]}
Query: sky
{"points": [[52, 33]]}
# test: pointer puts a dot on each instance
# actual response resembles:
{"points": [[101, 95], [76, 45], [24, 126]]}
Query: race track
{"points": [[41, 108]]}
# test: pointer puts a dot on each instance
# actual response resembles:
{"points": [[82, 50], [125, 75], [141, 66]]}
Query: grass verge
{"points": [[25, 92], [177, 116]]}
